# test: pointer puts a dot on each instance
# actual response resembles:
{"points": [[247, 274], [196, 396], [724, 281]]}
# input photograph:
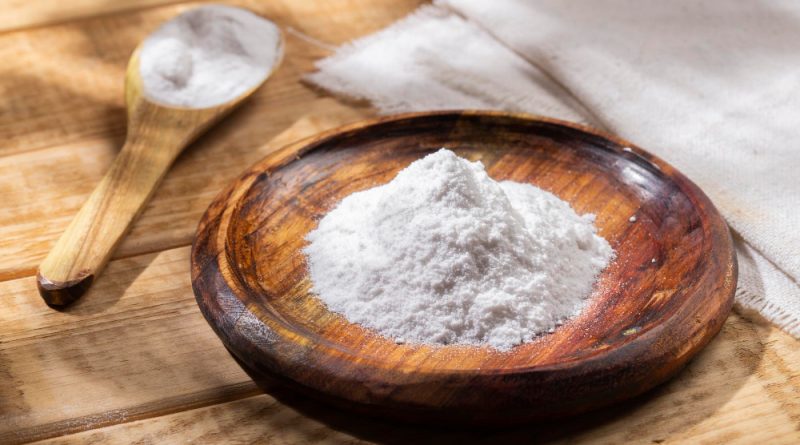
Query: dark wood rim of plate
{"points": [[272, 347]]}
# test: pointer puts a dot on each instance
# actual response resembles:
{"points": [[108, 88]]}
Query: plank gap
{"points": [[201, 399]]}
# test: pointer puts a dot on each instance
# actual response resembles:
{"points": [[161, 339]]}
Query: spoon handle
{"points": [[87, 244]]}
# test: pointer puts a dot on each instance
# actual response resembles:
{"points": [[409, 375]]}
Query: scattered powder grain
{"points": [[208, 56], [444, 255]]}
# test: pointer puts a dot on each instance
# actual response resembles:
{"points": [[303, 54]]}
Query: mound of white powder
{"points": [[444, 255], [208, 56]]}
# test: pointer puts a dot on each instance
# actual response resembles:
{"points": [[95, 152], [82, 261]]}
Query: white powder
{"points": [[208, 56], [443, 254]]}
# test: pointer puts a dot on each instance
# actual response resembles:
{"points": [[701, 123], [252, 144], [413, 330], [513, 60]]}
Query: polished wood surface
{"points": [[658, 303], [156, 135], [135, 362]]}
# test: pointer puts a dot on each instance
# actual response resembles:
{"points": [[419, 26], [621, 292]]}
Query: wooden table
{"points": [[135, 362]]}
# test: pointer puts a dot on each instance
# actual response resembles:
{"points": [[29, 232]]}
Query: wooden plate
{"points": [[663, 298]]}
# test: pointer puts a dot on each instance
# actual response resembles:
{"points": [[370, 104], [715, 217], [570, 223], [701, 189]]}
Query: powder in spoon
{"points": [[443, 254], [208, 56]]}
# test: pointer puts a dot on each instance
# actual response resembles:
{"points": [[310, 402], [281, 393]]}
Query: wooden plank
{"points": [[134, 346], [742, 389], [22, 14], [19, 14]]}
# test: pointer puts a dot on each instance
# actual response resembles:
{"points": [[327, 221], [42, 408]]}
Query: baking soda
{"points": [[445, 255], [208, 56]]}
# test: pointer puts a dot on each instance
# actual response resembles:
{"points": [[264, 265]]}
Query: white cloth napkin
{"points": [[712, 87]]}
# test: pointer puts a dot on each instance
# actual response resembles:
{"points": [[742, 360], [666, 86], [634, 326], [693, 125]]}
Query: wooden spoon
{"points": [[157, 134]]}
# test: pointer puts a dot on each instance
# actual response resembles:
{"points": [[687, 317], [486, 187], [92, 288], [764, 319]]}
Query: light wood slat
{"points": [[23, 14], [134, 346], [19, 14], [64, 83], [743, 389]]}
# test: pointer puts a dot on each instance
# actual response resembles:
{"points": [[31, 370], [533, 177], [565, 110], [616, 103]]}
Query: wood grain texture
{"points": [[663, 298], [156, 135], [741, 389], [135, 347], [19, 14]]}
